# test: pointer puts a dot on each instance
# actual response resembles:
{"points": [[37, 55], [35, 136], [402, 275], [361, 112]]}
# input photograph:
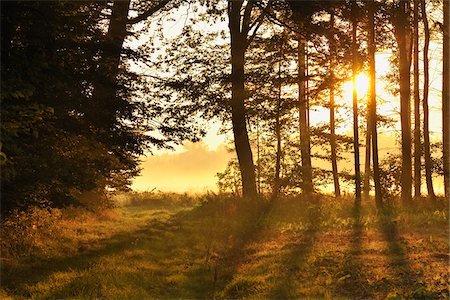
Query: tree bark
{"points": [[417, 140], [446, 99], [337, 189], [355, 105], [105, 89], [277, 186], [238, 114], [258, 159], [426, 131], [368, 153], [305, 143], [403, 36], [373, 104]]}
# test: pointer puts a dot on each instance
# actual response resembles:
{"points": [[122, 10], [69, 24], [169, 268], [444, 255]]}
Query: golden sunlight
{"points": [[362, 86]]}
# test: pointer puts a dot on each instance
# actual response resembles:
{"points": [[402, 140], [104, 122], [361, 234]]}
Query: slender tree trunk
{"points": [[368, 153], [403, 36], [276, 188], [417, 141], [373, 105], [238, 115], [305, 144], [258, 159], [426, 131], [355, 105], [337, 189], [446, 99]]}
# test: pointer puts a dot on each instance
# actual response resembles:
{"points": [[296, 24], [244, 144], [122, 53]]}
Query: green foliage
{"points": [[74, 119], [229, 181]]}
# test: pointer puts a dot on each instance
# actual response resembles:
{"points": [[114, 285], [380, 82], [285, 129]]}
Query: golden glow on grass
{"points": [[320, 249]]}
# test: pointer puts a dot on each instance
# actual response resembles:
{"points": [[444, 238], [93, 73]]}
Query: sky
{"points": [[193, 167]]}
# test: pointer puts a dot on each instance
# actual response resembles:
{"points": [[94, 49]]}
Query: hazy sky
{"points": [[191, 167]]}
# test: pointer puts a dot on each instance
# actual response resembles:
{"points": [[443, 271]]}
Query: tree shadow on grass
{"points": [[354, 284], [174, 246], [14, 278], [164, 259], [405, 281], [294, 263], [263, 257]]}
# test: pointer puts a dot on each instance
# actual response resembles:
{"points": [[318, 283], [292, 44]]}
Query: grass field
{"points": [[219, 247]]}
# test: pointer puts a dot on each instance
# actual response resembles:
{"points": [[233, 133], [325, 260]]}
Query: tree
{"points": [[367, 170], [400, 20], [417, 140], [72, 120], [354, 14], [240, 27], [337, 189], [277, 183], [446, 98], [302, 12], [426, 131], [373, 103]]}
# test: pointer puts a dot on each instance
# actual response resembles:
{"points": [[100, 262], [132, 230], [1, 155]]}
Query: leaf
{"points": [[344, 277]]}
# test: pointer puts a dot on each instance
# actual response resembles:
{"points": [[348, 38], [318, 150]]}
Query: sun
{"points": [[362, 86]]}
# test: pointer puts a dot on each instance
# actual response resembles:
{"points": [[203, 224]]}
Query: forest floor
{"points": [[296, 248]]}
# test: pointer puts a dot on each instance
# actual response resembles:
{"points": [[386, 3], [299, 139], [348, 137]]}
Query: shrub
{"points": [[24, 232]]}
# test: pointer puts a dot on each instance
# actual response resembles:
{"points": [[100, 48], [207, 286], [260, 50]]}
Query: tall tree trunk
{"points": [[446, 99], [373, 104], [417, 141], [367, 157], [355, 105], [403, 36], [337, 189], [305, 144], [105, 89], [277, 186], [426, 131], [238, 115]]}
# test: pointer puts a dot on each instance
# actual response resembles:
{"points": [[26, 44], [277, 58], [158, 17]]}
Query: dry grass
{"points": [[223, 248]]}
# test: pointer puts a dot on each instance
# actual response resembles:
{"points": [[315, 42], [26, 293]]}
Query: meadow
{"points": [[160, 246]]}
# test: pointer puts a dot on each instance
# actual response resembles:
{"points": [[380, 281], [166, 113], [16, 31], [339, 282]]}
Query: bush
{"points": [[24, 232]]}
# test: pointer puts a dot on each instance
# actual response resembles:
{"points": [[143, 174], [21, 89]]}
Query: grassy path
{"points": [[300, 249]]}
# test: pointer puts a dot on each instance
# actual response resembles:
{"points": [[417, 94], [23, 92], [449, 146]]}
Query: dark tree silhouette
{"points": [[426, 116], [417, 125], [354, 19], [446, 98], [240, 27], [373, 102]]}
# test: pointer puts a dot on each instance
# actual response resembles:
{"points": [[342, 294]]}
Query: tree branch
{"points": [[246, 18], [145, 15]]}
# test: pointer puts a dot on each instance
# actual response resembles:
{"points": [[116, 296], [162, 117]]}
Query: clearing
{"points": [[222, 248]]}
